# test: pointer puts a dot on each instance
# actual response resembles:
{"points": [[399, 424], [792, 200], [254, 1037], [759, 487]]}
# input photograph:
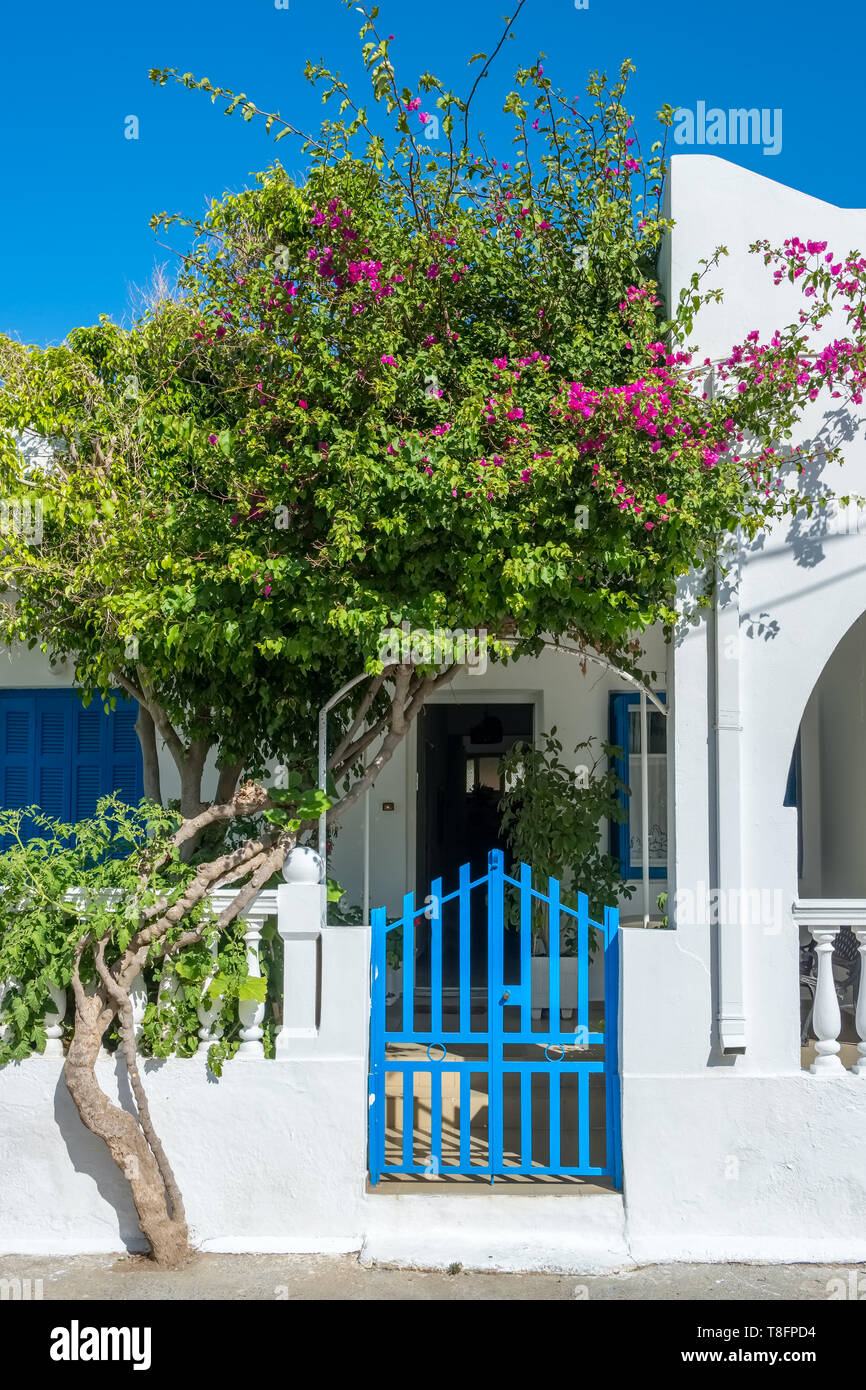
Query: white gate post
{"points": [[300, 918]]}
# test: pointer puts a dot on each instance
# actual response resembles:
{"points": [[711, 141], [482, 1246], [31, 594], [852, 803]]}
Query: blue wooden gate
{"points": [[540, 1088]]}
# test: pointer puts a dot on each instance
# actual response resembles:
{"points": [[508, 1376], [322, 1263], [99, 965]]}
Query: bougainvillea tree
{"points": [[422, 385]]}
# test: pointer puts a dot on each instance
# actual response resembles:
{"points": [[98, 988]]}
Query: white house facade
{"points": [[725, 1117]]}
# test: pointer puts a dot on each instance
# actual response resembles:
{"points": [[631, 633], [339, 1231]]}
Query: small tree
{"points": [[553, 814], [422, 386]]}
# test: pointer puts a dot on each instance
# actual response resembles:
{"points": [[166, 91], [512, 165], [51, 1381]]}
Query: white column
{"points": [[826, 1016], [644, 807], [728, 731], [299, 923], [54, 1023], [859, 1067]]}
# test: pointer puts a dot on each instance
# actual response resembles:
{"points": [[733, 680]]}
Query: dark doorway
{"points": [[459, 748]]}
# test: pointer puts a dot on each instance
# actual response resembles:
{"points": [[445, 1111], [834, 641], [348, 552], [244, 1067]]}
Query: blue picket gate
{"points": [[538, 1091]]}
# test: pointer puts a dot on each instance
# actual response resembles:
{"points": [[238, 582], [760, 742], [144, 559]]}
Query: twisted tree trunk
{"points": [[129, 1139]]}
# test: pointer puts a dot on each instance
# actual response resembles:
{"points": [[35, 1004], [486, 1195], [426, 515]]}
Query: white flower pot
{"points": [[541, 985]]}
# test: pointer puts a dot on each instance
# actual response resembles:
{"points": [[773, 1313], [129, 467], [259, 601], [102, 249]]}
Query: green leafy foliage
{"points": [[553, 815]]}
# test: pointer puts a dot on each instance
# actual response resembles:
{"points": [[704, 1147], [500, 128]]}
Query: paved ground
{"points": [[313, 1277]]}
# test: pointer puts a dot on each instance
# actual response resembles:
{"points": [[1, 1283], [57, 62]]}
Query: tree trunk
{"points": [[164, 1227], [146, 730]]}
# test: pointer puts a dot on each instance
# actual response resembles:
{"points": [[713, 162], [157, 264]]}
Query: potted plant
{"points": [[552, 815]]}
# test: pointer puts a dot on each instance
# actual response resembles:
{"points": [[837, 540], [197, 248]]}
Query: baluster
{"points": [[826, 1017], [6, 1028], [54, 1022], [103, 1054], [138, 1000], [859, 1067], [209, 1014], [250, 1011], [165, 994]]}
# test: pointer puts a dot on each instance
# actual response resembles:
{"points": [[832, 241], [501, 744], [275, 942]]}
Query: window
{"points": [[626, 839], [58, 755]]}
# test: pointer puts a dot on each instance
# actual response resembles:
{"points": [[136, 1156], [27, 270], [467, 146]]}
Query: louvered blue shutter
{"points": [[58, 755], [16, 748], [51, 792], [126, 770]]}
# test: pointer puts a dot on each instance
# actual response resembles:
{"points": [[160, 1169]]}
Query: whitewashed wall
{"points": [[739, 1152]]}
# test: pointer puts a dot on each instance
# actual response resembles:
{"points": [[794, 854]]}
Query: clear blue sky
{"points": [[78, 196]]}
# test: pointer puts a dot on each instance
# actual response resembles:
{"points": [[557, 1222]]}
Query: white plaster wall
{"points": [[742, 1155], [270, 1158]]}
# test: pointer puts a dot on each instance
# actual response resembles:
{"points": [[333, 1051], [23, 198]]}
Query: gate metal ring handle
{"points": [[444, 1052], [561, 1052]]}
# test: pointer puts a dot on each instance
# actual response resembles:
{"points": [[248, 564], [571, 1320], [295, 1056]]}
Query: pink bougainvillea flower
{"points": [[303, 405], [388, 361], [432, 271], [211, 439]]}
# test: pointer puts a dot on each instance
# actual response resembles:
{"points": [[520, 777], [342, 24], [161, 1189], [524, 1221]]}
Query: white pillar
{"points": [[728, 738], [859, 1067], [644, 807], [299, 923], [826, 1016], [54, 1023]]}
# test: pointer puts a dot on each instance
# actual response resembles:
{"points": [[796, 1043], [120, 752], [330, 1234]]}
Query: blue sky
{"points": [[78, 196]]}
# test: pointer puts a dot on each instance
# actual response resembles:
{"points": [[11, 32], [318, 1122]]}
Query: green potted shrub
{"points": [[552, 816]]}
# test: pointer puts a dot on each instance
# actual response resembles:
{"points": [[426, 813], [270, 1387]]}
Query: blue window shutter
{"points": [[58, 755], [17, 717], [621, 705], [126, 769]]}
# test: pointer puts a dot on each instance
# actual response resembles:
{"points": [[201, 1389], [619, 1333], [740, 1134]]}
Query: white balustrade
{"points": [[823, 918]]}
